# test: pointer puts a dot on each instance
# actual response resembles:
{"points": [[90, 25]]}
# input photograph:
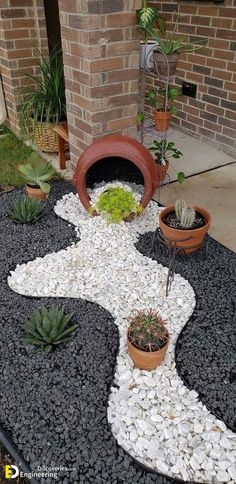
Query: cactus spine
{"points": [[180, 205], [187, 217]]}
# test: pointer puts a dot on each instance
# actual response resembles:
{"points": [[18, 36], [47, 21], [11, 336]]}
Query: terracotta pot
{"points": [[162, 63], [195, 236], [35, 192], [162, 120], [162, 171], [146, 360], [117, 146]]}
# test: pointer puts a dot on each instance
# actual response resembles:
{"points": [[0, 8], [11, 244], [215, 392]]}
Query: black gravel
{"points": [[54, 406], [206, 347]]}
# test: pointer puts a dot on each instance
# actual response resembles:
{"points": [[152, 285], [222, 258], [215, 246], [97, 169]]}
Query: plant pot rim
{"points": [[149, 352], [162, 164], [202, 211], [34, 187]]}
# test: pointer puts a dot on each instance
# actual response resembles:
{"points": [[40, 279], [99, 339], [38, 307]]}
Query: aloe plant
{"points": [[37, 172], [48, 328], [168, 45], [26, 210]]}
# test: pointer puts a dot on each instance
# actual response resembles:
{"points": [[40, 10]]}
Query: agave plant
{"points": [[148, 17], [44, 97], [26, 210], [48, 328], [147, 330], [169, 45], [37, 172]]}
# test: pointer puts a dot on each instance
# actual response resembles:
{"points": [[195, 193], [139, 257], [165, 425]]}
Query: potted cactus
{"points": [[163, 151], [162, 99], [147, 339], [184, 225], [37, 174]]}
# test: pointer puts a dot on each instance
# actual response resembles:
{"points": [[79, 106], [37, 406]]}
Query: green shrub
{"points": [[116, 204], [48, 328], [26, 210]]}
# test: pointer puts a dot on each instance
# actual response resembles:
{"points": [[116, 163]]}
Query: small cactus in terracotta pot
{"points": [[147, 339]]}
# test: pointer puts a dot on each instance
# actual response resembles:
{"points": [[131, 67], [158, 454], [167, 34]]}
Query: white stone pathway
{"points": [[153, 415]]}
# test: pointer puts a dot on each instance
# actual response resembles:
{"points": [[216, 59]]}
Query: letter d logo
{"points": [[9, 474]]}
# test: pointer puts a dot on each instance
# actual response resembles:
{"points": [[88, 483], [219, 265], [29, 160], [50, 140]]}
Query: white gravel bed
{"points": [[153, 415]]}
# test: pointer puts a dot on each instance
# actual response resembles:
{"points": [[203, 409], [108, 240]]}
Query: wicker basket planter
{"points": [[45, 137]]}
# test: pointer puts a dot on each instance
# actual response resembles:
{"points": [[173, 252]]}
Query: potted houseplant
{"points": [[147, 18], [169, 48], [162, 99], [163, 151], [37, 174], [139, 119], [185, 226], [147, 339], [44, 105]]}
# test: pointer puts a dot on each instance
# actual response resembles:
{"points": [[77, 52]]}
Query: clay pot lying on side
{"points": [[35, 192], [147, 360], [162, 120], [188, 239]]}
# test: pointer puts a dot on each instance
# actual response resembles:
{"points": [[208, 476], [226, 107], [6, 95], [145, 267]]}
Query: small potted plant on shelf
{"points": [[163, 151], [44, 105], [162, 99], [116, 204], [37, 174], [185, 226], [147, 339], [166, 55], [139, 119], [147, 18]]}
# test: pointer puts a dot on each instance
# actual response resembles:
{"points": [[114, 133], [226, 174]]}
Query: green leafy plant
{"points": [[140, 118], [44, 97], [37, 172], [162, 98], [185, 214], [163, 151], [169, 43], [48, 328], [116, 204], [26, 210], [148, 17], [147, 331]]}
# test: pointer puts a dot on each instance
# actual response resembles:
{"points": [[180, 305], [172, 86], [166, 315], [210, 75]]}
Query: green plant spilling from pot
{"points": [[162, 99], [48, 328], [116, 205], [44, 105], [170, 46], [37, 174], [147, 339], [184, 226], [163, 151]]}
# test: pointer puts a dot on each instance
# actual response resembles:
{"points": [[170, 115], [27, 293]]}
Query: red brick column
{"points": [[22, 26], [101, 57]]}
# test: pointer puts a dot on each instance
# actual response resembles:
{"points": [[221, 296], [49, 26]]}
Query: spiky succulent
{"points": [[26, 210], [179, 206], [185, 214], [48, 328], [147, 330], [187, 217], [37, 172]]}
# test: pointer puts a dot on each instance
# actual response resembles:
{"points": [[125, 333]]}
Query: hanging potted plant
{"points": [[163, 151], [147, 339], [169, 48], [37, 174], [43, 105], [162, 99], [147, 18], [185, 226]]}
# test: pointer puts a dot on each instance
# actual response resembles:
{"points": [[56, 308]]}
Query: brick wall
{"points": [[101, 58], [22, 26], [210, 117]]}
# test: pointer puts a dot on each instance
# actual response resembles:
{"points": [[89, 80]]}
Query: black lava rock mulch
{"points": [[206, 347], [54, 406]]}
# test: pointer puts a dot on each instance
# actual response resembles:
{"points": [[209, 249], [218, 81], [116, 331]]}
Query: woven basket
{"points": [[45, 137]]}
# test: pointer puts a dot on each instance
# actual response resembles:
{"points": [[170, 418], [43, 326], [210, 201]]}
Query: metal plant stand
{"points": [[173, 251]]}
